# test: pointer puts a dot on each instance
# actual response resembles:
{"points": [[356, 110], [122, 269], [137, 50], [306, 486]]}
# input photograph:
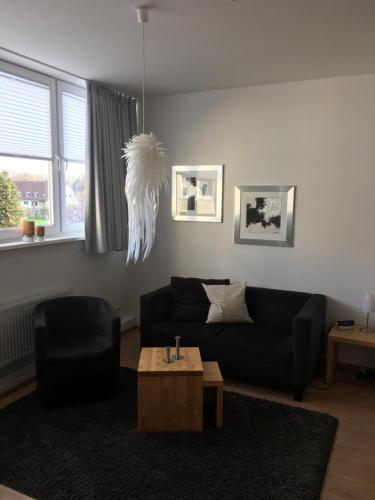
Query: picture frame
{"points": [[264, 215], [197, 193]]}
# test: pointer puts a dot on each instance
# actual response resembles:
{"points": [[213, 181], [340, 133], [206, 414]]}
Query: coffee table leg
{"points": [[219, 407]]}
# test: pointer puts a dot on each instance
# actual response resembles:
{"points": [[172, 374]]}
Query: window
{"points": [[73, 142], [42, 152]]}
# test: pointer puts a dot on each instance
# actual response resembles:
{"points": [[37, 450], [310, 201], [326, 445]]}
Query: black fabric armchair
{"points": [[77, 348]]}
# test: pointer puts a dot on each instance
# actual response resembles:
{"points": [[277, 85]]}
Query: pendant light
{"points": [[147, 174]]}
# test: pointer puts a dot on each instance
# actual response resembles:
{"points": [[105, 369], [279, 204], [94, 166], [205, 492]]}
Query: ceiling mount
{"points": [[142, 14]]}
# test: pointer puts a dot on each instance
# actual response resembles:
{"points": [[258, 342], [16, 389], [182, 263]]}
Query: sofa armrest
{"points": [[108, 323], [155, 307], [116, 334], [307, 341]]}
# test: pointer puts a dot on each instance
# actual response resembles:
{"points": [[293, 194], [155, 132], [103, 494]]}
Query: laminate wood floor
{"points": [[351, 470]]}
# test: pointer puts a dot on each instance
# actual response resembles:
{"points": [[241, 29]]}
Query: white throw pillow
{"points": [[228, 303]]}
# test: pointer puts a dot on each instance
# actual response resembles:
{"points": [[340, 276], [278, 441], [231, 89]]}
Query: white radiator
{"points": [[16, 327]]}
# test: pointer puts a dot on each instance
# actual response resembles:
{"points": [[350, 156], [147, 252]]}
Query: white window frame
{"points": [[70, 89], [56, 191]]}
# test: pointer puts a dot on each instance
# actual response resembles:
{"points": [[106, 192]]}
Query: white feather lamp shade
{"points": [[147, 174]]}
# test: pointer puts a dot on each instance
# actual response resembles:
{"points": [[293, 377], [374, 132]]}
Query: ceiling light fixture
{"points": [[147, 174]]}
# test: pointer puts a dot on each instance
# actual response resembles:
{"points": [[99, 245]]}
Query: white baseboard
{"points": [[17, 377], [127, 322]]}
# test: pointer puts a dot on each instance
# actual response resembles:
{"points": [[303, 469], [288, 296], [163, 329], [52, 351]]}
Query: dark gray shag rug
{"points": [[265, 451]]}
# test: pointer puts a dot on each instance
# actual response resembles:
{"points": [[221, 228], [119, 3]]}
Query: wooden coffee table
{"points": [[170, 396], [212, 378]]}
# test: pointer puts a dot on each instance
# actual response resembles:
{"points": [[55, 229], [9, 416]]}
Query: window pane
{"points": [[74, 192], [25, 117], [74, 127], [24, 191]]}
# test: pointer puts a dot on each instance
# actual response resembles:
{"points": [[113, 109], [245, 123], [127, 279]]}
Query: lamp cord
{"points": [[143, 76]]}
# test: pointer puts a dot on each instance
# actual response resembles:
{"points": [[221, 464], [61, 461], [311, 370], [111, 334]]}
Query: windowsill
{"points": [[49, 240]]}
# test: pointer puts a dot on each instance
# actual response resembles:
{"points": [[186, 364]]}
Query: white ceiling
{"points": [[195, 44]]}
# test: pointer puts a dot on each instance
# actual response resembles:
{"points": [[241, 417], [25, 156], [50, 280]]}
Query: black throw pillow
{"points": [[189, 300]]}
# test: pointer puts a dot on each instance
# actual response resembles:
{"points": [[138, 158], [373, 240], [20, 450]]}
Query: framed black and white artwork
{"points": [[197, 193], [264, 215]]}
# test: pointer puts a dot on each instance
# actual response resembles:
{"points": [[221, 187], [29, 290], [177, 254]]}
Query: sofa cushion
{"points": [[189, 300], [256, 353], [227, 303], [193, 334], [274, 308]]}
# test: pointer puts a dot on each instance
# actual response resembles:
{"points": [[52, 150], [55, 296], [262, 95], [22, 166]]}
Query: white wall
{"points": [[318, 135], [26, 271]]}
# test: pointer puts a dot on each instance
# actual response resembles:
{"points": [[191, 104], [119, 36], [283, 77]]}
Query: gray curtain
{"points": [[111, 122]]}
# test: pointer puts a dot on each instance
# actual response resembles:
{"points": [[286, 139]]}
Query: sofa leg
{"points": [[298, 396]]}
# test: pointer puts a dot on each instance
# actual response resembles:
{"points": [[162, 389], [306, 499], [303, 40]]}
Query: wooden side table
{"points": [[335, 337], [170, 396], [212, 378]]}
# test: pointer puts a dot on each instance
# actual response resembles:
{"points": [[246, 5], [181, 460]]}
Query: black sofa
{"points": [[77, 349], [282, 349]]}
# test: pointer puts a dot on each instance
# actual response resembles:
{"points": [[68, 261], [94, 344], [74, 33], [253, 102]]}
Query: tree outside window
{"points": [[10, 210]]}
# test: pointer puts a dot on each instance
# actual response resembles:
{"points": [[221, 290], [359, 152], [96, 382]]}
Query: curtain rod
{"points": [[55, 68]]}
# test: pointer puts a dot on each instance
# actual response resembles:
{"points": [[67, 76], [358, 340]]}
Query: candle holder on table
{"points": [[168, 358], [178, 354]]}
